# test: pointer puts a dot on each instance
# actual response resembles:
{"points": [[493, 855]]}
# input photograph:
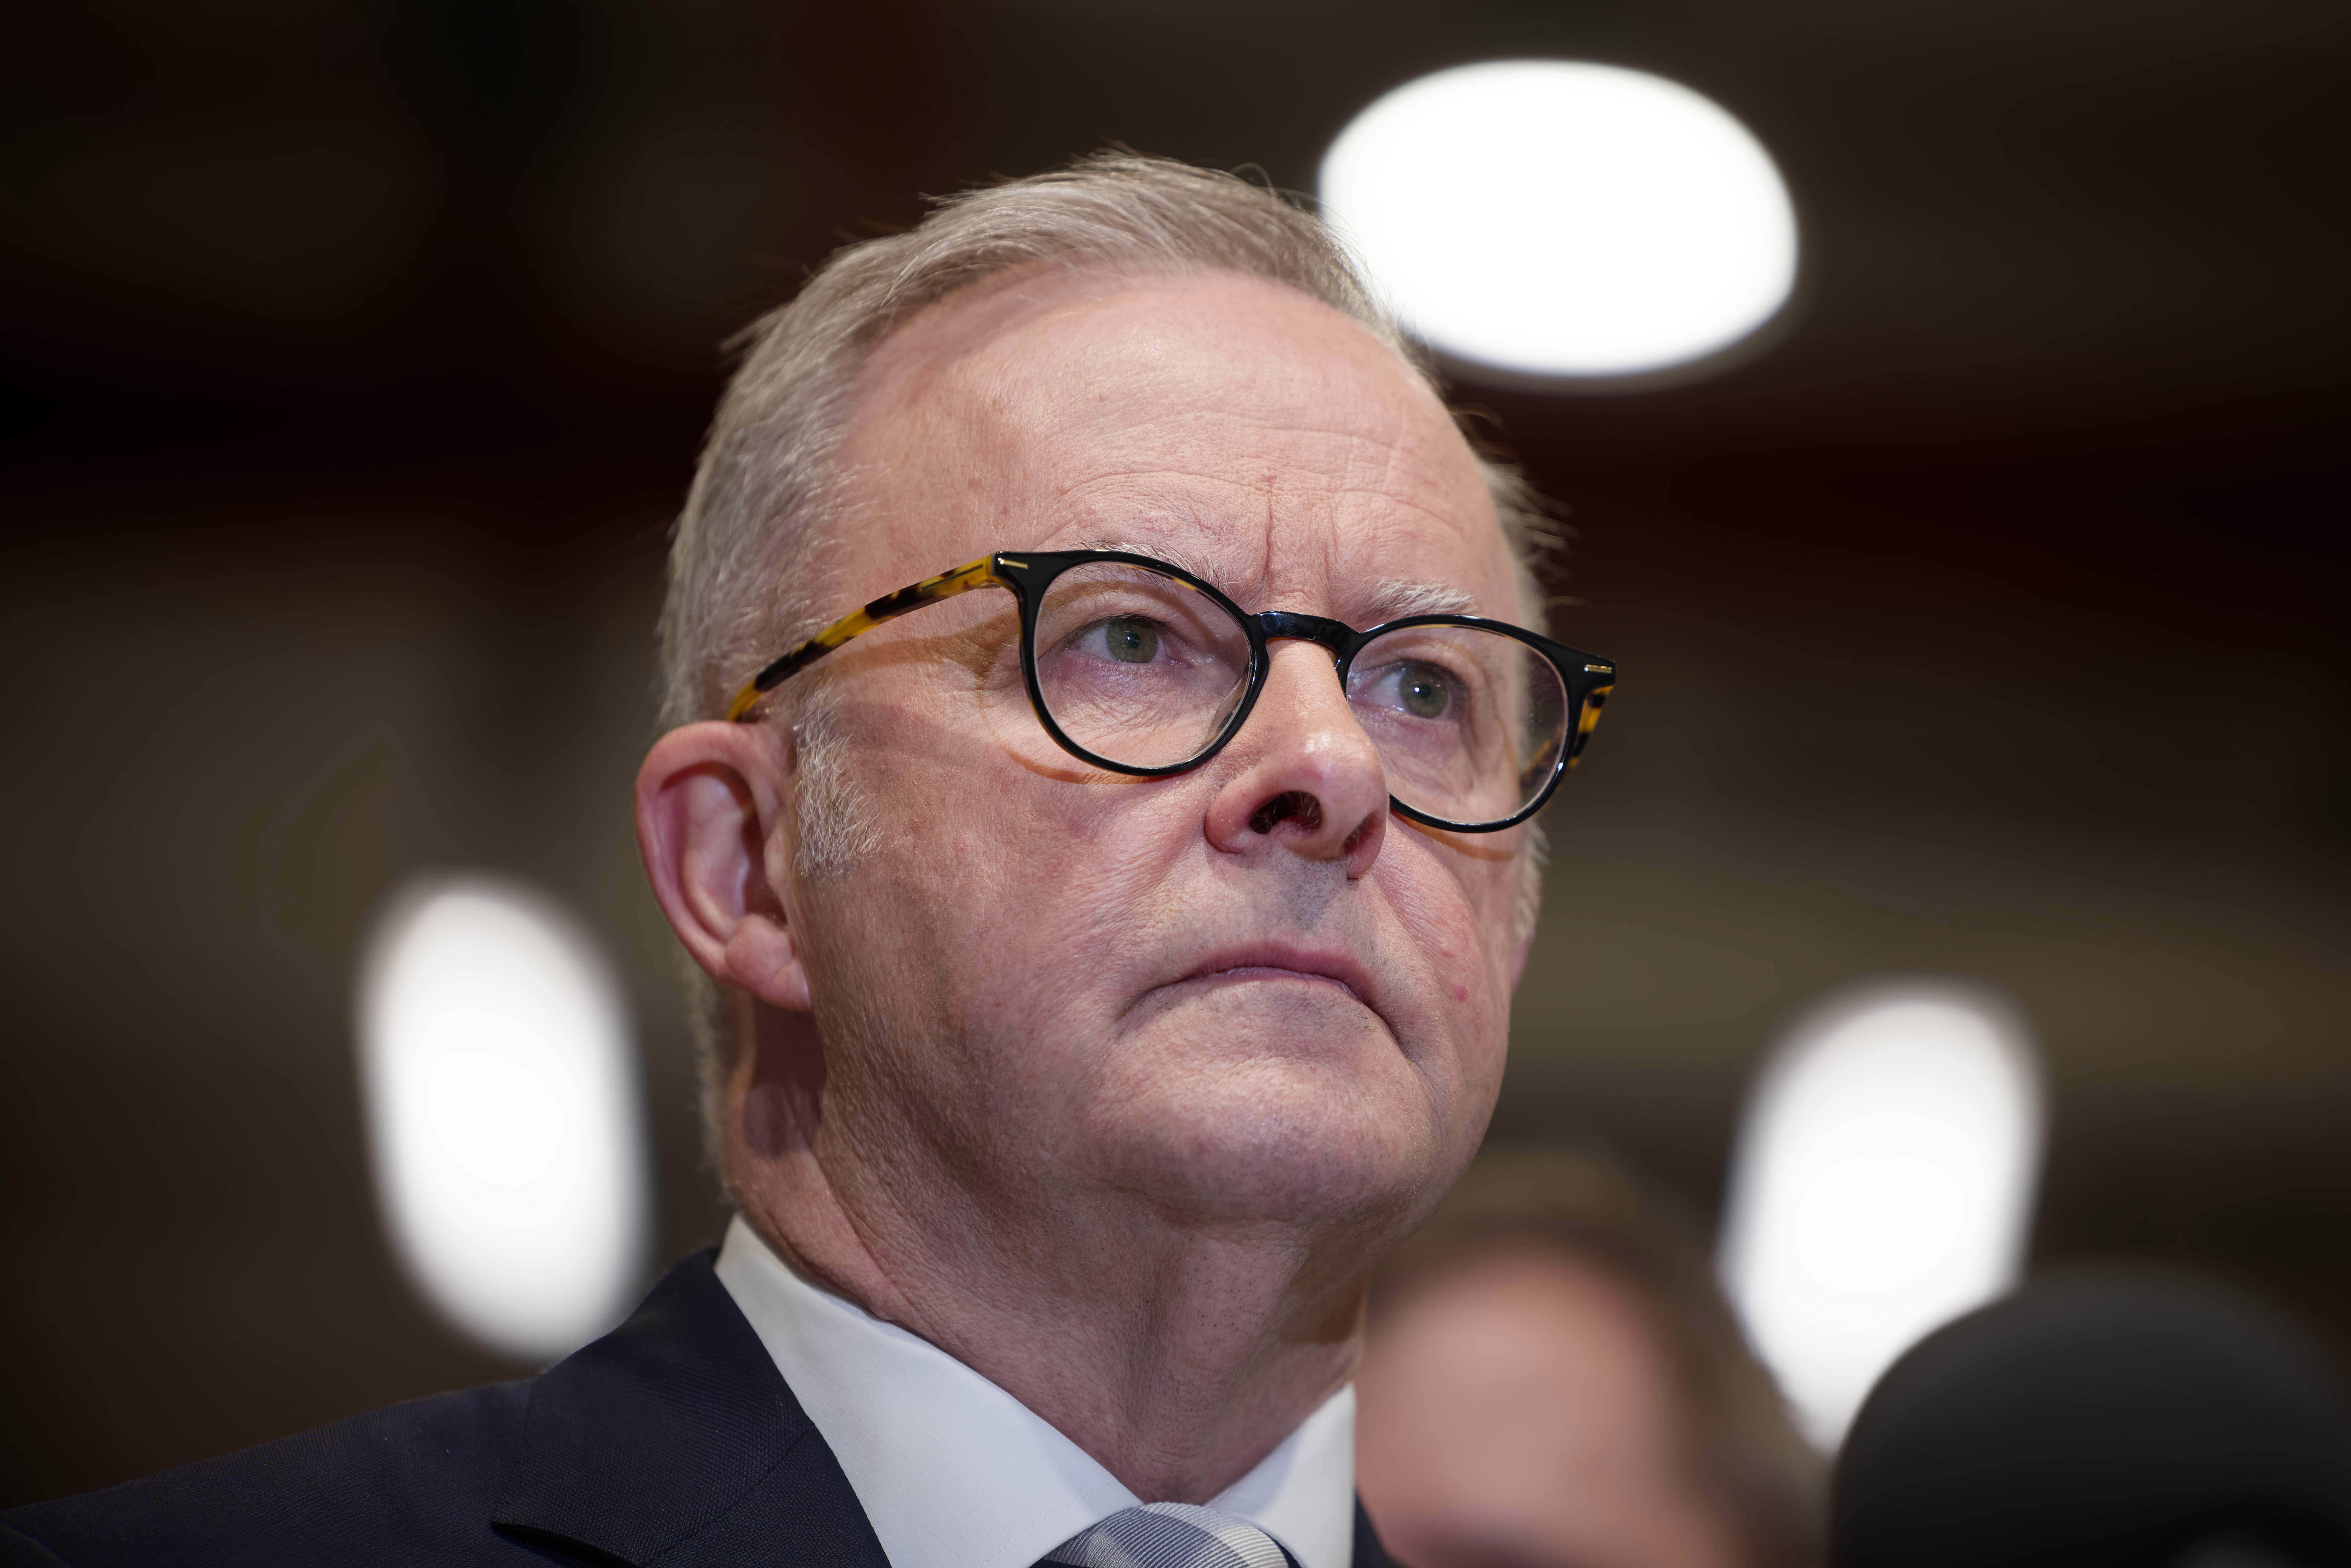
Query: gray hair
{"points": [[747, 575]]}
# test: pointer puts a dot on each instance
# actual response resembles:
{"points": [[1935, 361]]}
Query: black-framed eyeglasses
{"points": [[1137, 666]]}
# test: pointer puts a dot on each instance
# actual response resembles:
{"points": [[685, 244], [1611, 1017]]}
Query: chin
{"points": [[1338, 1129]]}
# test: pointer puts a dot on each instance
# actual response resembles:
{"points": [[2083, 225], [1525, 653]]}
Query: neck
{"points": [[1176, 1354]]}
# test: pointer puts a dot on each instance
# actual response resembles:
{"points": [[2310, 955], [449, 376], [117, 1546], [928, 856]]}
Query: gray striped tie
{"points": [[1170, 1535]]}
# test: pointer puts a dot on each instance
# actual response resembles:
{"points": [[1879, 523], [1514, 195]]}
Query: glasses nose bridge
{"points": [[1331, 636]]}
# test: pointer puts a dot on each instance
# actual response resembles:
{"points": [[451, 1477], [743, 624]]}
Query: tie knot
{"points": [[1170, 1535]]}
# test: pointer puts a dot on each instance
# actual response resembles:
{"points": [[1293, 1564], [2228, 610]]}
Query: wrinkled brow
{"points": [[1392, 599]]}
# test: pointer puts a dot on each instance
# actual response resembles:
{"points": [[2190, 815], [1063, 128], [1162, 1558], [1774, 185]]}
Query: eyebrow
{"points": [[1398, 597], [1174, 558], [1394, 599]]}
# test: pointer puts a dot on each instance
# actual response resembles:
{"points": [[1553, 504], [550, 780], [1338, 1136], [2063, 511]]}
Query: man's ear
{"points": [[706, 797]]}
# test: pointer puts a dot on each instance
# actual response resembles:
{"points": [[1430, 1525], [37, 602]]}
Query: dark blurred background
{"points": [[1991, 624]]}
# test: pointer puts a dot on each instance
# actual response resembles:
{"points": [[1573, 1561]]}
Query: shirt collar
{"points": [[954, 1472]]}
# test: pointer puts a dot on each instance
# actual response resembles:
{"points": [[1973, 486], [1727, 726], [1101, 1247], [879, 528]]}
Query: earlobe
{"points": [[763, 960], [703, 816]]}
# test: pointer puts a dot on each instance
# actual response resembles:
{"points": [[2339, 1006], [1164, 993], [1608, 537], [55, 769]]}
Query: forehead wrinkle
{"points": [[1300, 432], [1262, 496], [1394, 449], [1234, 446], [1248, 567], [1396, 464]]}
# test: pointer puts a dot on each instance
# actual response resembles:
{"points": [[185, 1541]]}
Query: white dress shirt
{"points": [[954, 1472]]}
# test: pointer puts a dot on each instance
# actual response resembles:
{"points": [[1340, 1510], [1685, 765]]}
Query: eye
{"points": [[1424, 690], [1128, 639]]}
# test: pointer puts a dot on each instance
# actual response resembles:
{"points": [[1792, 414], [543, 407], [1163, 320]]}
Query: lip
{"points": [[1283, 961]]}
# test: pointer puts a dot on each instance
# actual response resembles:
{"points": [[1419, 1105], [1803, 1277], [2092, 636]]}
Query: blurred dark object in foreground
{"points": [[2102, 1419]]}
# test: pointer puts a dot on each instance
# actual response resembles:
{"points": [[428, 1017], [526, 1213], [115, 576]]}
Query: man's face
{"points": [[1044, 980]]}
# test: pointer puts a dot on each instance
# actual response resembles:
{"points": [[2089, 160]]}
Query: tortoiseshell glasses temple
{"points": [[971, 574]]}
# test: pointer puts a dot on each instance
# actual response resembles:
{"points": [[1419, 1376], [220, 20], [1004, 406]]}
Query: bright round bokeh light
{"points": [[500, 1076], [1882, 1184], [1562, 219]]}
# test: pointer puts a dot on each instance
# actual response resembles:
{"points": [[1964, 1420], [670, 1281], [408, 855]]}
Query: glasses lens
{"points": [[1470, 724], [1137, 668]]}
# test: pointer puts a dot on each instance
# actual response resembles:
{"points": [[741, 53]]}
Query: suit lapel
{"points": [[673, 1437]]}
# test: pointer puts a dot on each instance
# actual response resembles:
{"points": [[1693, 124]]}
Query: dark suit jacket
{"points": [[672, 1440]]}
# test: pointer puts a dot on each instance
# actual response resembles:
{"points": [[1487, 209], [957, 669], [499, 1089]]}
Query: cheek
{"points": [[936, 865], [996, 875], [1457, 910]]}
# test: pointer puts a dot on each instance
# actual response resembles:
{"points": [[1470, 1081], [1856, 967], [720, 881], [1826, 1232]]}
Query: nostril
{"points": [[1289, 806]]}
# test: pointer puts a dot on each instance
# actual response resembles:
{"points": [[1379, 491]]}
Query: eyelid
{"points": [[1439, 656], [1173, 644]]}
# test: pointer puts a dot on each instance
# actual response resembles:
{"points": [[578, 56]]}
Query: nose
{"points": [[1301, 776]]}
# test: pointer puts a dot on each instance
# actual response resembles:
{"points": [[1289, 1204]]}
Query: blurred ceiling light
{"points": [[1563, 220], [1882, 1184], [502, 1103]]}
